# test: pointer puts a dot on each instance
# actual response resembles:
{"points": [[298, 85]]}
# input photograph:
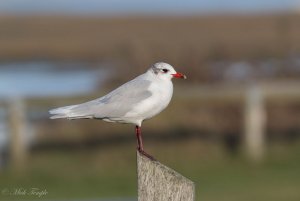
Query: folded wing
{"points": [[113, 105]]}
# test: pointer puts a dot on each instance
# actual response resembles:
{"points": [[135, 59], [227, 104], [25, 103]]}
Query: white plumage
{"points": [[135, 101]]}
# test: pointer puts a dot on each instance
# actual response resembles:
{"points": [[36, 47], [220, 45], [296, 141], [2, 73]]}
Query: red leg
{"points": [[140, 146], [138, 133]]}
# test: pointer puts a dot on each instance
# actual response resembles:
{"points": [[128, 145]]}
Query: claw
{"points": [[146, 155]]}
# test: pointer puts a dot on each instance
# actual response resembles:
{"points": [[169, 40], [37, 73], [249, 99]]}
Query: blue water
{"points": [[42, 79]]}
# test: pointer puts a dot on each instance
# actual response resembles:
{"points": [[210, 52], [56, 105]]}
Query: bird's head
{"points": [[165, 71]]}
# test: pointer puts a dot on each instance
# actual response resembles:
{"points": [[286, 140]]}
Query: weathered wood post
{"points": [[157, 182], [255, 123], [17, 129]]}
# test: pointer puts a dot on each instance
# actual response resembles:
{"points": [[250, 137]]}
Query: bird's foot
{"points": [[146, 154]]}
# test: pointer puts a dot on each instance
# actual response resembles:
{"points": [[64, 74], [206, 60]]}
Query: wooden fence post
{"points": [[157, 182], [17, 129], [255, 123]]}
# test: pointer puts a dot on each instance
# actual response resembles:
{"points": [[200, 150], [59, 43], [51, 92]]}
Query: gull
{"points": [[133, 102]]}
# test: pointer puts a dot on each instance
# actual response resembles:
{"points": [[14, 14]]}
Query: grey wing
{"points": [[117, 103]]}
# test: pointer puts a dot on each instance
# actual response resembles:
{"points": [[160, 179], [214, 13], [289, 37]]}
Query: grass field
{"points": [[111, 172]]}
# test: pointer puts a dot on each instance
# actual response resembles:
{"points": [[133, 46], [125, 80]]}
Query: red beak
{"points": [[179, 75]]}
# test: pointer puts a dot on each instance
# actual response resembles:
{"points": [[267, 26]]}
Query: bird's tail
{"points": [[63, 112]]}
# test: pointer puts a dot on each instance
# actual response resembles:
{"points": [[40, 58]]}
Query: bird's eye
{"points": [[165, 70]]}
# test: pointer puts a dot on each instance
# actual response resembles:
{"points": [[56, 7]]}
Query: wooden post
{"points": [[17, 130], [157, 182], [255, 121]]}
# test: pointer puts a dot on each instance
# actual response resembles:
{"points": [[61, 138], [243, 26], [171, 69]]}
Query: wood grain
{"points": [[157, 182]]}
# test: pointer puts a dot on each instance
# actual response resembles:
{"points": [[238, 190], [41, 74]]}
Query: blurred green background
{"points": [[233, 127]]}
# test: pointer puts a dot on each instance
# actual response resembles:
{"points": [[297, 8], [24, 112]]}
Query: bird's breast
{"points": [[161, 95]]}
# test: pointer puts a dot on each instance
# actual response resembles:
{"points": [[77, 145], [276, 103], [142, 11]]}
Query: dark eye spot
{"points": [[165, 70]]}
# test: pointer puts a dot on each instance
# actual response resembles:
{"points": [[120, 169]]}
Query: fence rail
{"points": [[255, 98]]}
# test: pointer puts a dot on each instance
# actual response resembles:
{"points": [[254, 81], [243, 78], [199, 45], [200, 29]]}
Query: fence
{"points": [[253, 96]]}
